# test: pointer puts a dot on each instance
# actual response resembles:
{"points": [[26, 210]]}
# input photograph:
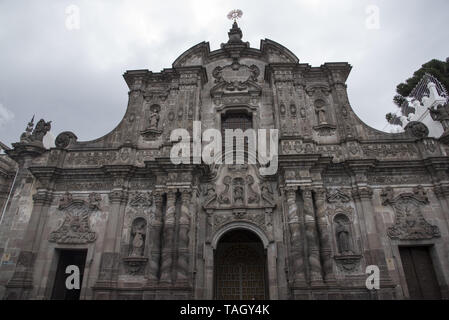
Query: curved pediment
{"points": [[269, 51]]}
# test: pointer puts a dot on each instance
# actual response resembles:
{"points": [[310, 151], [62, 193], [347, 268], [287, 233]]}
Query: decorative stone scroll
{"points": [[75, 228], [409, 223]]}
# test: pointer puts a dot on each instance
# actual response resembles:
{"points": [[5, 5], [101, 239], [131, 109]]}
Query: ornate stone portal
{"points": [[344, 196]]}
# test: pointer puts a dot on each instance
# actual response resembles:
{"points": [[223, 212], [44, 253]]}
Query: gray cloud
{"points": [[74, 77]]}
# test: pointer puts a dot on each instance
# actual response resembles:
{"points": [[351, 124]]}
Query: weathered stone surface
{"points": [[345, 195]]}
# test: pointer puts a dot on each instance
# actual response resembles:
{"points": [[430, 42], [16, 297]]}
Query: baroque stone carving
{"points": [[337, 196], [255, 218], [36, 135], [409, 222], [153, 131], [64, 139], [210, 194], [224, 197], [267, 194], [343, 235], [253, 197], [417, 129], [75, 227], [238, 191], [138, 234], [141, 201]]}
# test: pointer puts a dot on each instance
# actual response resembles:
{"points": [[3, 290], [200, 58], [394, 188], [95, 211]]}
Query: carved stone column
{"points": [[324, 235], [312, 238], [155, 240], [182, 278], [22, 280], [296, 238], [168, 239]]}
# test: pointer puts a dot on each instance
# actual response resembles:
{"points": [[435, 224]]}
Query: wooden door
{"points": [[419, 273]]}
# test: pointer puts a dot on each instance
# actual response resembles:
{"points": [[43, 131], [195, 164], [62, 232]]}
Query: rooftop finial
{"points": [[235, 14], [235, 34]]}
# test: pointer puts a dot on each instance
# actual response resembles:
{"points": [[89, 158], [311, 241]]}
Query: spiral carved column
{"points": [[324, 235], [168, 237], [312, 238], [296, 239], [182, 278]]}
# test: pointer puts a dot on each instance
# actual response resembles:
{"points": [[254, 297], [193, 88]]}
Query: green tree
{"points": [[439, 69]]}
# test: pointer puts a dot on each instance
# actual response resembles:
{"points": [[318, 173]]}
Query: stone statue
{"points": [[238, 195], [210, 193], [26, 136], [343, 237], [36, 135], [138, 242], [224, 196], [154, 119], [267, 193], [253, 197], [41, 130], [238, 191], [321, 115]]}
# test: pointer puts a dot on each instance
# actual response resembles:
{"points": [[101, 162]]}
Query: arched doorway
{"points": [[240, 267]]}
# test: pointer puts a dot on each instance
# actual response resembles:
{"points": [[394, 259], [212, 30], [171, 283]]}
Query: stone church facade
{"points": [[345, 196]]}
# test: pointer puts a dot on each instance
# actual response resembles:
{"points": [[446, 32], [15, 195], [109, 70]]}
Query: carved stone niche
{"points": [[136, 261], [347, 257], [409, 221], [75, 228], [152, 132], [341, 215]]}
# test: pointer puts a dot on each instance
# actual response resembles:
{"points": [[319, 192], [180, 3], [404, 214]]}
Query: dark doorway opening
{"points": [[240, 267], [419, 273], [68, 258]]}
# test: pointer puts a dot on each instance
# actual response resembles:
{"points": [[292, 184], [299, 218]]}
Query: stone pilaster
{"points": [[111, 255], [22, 280], [312, 238], [364, 195], [296, 238], [324, 235], [155, 240], [168, 239], [182, 278]]}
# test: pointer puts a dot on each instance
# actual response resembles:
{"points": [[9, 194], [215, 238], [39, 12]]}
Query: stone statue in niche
{"points": [[152, 132], [238, 191], [293, 109], [154, 119], [321, 112], [138, 235], [343, 235]]}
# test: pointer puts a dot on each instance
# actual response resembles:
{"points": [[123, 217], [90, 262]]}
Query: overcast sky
{"points": [[73, 76]]}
